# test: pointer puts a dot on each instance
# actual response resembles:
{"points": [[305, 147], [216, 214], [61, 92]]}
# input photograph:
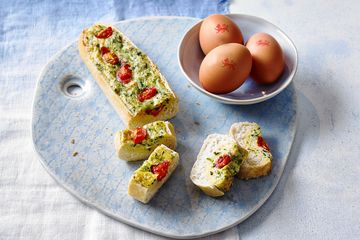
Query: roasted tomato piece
{"points": [[147, 93], [111, 58], [139, 135], [261, 143], [104, 50], [107, 32], [160, 169], [154, 112], [222, 161], [124, 74]]}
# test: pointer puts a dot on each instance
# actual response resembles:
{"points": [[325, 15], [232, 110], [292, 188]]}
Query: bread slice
{"points": [[259, 161], [159, 132], [124, 96], [145, 181], [206, 173]]}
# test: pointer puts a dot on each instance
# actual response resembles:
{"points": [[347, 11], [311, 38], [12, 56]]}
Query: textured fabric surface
{"points": [[32, 205], [318, 196]]}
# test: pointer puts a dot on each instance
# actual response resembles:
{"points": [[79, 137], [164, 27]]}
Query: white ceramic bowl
{"points": [[190, 57]]}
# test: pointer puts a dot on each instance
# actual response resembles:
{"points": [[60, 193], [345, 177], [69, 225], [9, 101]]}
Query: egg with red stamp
{"points": [[216, 30], [267, 56], [225, 68]]}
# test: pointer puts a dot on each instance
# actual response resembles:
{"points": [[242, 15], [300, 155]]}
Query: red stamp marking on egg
{"points": [[221, 28], [263, 42], [228, 63]]}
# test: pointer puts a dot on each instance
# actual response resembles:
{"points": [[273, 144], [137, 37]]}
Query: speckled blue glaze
{"points": [[99, 178]]}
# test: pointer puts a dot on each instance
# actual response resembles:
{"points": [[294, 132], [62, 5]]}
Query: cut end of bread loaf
{"points": [[259, 160], [145, 194], [128, 151], [200, 171], [142, 118]]}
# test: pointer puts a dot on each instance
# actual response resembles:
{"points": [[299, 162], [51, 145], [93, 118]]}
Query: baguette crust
{"points": [[130, 152], [249, 171], [140, 119]]}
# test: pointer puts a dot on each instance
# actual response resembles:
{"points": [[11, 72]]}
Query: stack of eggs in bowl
{"points": [[228, 62]]}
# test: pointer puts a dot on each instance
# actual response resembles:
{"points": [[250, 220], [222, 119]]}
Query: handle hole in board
{"points": [[74, 90], [73, 87]]}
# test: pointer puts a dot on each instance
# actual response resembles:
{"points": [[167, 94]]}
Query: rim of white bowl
{"points": [[242, 101]]}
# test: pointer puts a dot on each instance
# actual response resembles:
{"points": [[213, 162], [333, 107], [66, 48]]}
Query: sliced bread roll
{"points": [[129, 79], [153, 173], [217, 163], [132, 145], [259, 161]]}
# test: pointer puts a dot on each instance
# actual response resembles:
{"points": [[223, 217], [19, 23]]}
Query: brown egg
{"points": [[225, 68], [216, 30], [268, 58]]}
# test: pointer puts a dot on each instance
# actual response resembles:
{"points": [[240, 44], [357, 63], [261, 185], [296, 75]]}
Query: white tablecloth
{"points": [[318, 195]]}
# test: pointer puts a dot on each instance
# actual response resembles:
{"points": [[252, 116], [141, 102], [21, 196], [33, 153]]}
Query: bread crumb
{"points": [[75, 154], [72, 141]]}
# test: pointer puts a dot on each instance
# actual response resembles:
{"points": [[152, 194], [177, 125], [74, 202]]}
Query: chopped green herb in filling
{"points": [[144, 74], [155, 132], [143, 175], [222, 177]]}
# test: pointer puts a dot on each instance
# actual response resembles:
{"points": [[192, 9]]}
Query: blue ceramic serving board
{"points": [[73, 130]]}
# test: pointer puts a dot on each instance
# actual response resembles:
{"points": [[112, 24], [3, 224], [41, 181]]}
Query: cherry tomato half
{"points": [[160, 169], [154, 112], [124, 74], [107, 32], [139, 135], [261, 143], [104, 50], [222, 161], [111, 58], [147, 93]]}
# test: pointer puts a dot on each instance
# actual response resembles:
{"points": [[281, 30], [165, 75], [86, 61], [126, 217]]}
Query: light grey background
{"points": [[318, 196]]}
